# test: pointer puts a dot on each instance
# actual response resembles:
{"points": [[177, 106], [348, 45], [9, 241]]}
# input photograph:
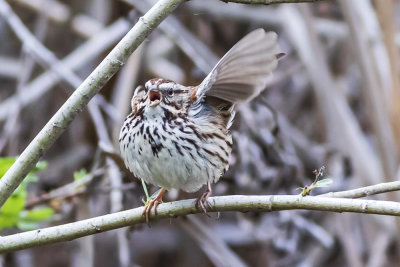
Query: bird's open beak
{"points": [[154, 97]]}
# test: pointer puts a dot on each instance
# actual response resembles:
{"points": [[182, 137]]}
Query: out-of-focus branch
{"points": [[47, 58], [69, 190], [343, 130], [81, 55], [196, 50], [385, 11], [25, 71], [209, 241], [55, 10], [270, 203], [80, 98], [378, 113]]}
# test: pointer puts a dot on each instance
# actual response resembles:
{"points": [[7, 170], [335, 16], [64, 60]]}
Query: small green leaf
{"points": [[324, 182], [80, 174], [10, 212]]}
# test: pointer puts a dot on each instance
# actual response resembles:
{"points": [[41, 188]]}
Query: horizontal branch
{"points": [[70, 231], [268, 2]]}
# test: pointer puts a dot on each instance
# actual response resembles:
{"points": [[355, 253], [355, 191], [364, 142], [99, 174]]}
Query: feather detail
{"points": [[244, 71]]}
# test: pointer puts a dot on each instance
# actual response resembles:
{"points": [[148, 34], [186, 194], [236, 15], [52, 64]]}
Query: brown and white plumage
{"points": [[178, 136]]}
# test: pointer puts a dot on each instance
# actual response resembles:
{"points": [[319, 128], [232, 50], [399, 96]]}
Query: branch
{"points": [[268, 2], [365, 191], [44, 55], [80, 98], [70, 231], [75, 60]]}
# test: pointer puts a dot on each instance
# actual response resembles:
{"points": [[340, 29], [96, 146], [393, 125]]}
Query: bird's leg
{"points": [[153, 201], [203, 199]]}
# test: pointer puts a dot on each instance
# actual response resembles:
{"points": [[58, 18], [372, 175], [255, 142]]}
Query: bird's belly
{"points": [[172, 170], [171, 157]]}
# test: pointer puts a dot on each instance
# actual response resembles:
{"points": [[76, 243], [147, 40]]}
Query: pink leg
{"points": [[153, 203], [202, 200]]}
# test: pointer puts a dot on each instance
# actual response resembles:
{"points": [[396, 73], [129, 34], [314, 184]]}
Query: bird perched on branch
{"points": [[178, 136]]}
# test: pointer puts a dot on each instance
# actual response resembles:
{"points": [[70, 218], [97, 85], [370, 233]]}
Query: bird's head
{"points": [[159, 96]]}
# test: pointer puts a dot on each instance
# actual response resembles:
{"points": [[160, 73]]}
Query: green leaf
{"points": [[324, 182], [10, 212], [5, 164], [80, 174]]}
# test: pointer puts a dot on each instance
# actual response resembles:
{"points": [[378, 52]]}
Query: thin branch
{"points": [[70, 231], [210, 242], [25, 71], [47, 57], [268, 2], [342, 128], [196, 50], [366, 191], [75, 60], [72, 189], [80, 98], [377, 107], [55, 10]]}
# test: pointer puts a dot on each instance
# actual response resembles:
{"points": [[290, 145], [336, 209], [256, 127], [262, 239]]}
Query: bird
{"points": [[179, 136]]}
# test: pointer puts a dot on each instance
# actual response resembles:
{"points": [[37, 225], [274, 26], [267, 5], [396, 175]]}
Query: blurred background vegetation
{"points": [[334, 101]]}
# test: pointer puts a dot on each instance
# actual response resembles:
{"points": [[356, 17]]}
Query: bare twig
{"points": [[366, 191], [67, 232]]}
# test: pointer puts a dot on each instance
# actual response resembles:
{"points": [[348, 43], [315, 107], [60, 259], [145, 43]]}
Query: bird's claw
{"points": [[151, 202], [202, 201]]}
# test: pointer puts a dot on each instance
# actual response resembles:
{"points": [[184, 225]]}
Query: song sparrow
{"points": [[178, 136]]}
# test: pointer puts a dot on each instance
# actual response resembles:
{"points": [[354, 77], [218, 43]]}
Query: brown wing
{"points": [[244, 71]]}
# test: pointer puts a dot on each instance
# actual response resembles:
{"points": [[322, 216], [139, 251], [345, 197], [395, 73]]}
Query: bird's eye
{"points": [[170, 92]]}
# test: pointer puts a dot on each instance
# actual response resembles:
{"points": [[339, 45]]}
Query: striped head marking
{"points": [[159, 95]]}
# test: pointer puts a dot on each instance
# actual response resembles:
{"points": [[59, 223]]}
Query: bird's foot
{"points": [[202, 201], [151, 202]]}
